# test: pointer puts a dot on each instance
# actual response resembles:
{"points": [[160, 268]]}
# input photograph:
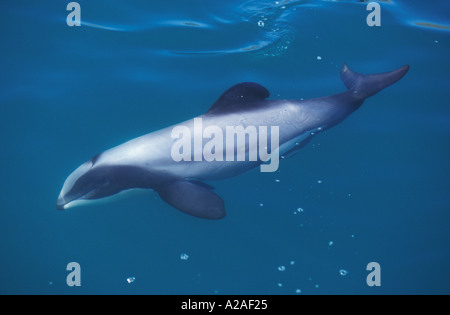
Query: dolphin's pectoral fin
{"points": [[194, 199], [238, 97], [200, 183]]}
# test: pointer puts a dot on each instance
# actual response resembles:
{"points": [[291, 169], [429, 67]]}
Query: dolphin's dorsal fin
{"points": [[239, 97]]}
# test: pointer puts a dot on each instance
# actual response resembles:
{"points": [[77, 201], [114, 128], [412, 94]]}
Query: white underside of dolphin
{"points": [[147, 162]]}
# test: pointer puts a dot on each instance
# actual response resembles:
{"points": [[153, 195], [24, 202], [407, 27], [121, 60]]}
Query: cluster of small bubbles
{"points": [[131, 279], [184, 256], [281, 268], [343, 272]]}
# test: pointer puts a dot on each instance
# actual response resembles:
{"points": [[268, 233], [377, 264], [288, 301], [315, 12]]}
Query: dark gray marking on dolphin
{"points": [[146, 162]]}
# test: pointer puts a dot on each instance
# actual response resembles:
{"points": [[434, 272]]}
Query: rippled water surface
{"points": [[373, 189]]}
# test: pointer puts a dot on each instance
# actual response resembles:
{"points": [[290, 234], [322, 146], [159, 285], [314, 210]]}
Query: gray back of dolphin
{"points": [[146, 162]]}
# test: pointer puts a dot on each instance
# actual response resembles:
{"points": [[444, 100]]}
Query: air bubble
{"points": [[131, 279], [260, 23], [281, 268], [184, 256], [343, 272]]}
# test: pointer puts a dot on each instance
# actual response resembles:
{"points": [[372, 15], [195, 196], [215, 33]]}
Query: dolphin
{"points": [[147, 162]]}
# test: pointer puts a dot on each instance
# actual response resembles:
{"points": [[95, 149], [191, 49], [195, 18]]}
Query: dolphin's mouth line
{"points": [[62, 204]]}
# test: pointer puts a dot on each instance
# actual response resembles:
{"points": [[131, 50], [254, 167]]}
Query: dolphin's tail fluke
{"points": [[363, 86]]}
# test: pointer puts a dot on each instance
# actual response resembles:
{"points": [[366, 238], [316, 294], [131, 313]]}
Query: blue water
{"points": [[373, 189]]}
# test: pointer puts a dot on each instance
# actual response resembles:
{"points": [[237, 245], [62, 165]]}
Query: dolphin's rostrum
{"points": [[146, 162]]}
